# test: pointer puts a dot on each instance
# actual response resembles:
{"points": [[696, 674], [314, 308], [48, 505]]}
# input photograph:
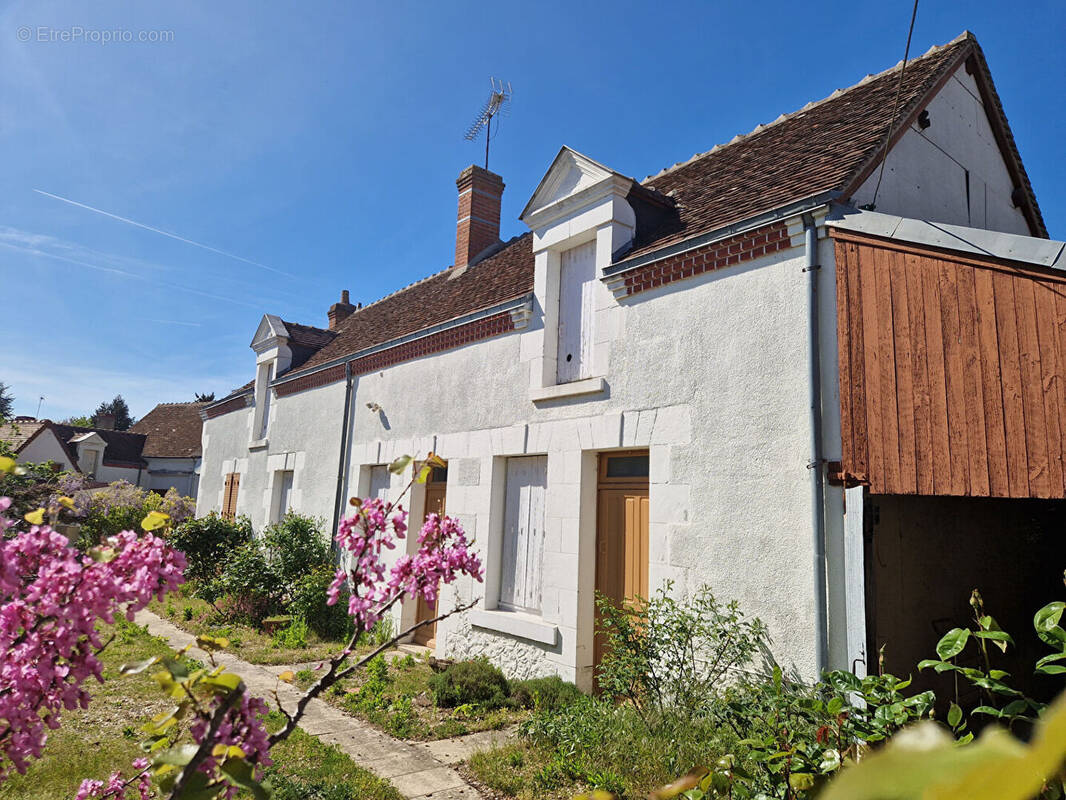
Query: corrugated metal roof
{"points": [[1010, 246]]}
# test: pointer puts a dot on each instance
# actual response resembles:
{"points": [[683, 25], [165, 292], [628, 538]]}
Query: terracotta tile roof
{"points": [[827, 145], [20, 434], [822, 147], [448, 294], [308, 335], [123, 448], [172, 430]]}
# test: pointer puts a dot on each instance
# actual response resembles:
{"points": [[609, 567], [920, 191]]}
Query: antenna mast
{"points": [[499, 102]]}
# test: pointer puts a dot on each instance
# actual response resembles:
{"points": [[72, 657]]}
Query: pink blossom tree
{"points": [[212, 741]]}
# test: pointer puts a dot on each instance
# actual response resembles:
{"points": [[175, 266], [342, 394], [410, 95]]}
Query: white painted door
{"points": [[577, 281], [523, 533], [855, 579]]}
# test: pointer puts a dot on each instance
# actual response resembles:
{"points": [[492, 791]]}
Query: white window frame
{"points": [[282, 499]]}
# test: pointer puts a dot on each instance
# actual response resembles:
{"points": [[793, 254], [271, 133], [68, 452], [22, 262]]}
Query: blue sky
{"points": [[316, 146]]}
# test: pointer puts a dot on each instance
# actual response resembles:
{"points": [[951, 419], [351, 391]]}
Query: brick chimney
{"points": [[479, 213], [104, 422], [338, 312]]}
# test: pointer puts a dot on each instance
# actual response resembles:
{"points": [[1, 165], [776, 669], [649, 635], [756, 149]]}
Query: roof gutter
{"points": [[342, 460], [749, 223]]}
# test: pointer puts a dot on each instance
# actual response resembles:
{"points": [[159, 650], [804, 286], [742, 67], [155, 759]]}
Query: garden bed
{"points": [[395, 695], [91, 743], [254, 645]]}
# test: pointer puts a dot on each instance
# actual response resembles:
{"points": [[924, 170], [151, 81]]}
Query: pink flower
{"points": [[51, 598], [443, 555]]}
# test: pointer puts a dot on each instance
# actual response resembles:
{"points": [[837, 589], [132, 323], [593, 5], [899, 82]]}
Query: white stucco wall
{"points": [[926, 171], [45, 447], [300, 424], [709, 374]]}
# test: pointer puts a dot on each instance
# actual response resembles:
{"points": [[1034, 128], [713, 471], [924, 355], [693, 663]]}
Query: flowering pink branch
{"points": [[51, 598]]}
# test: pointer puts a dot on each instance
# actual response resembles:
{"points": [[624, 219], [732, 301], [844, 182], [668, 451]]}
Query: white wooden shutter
{"points": [[577, 280], [379, 482], [523, 533], [285, 494]]}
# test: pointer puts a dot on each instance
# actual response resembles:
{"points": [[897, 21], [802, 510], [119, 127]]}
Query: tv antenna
{"points": [[499, 102]]}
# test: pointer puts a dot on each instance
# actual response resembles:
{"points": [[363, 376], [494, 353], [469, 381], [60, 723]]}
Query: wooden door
{"points": [[523, 533], [435, 501], [621, 530], [577, 283]]}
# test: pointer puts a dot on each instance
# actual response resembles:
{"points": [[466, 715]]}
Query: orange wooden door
{"points": [[435, 499], [621, 531]]}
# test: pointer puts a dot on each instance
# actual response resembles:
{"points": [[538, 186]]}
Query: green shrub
{"points": [[476, 682], [309, 604], [246, 590], [295, 547], [121, 507], [547, 693], [293, 637], [208, 542], [663, 653]]}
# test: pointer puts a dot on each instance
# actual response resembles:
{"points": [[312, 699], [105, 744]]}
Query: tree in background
{"points": [[205, 397], [7, 401], [119, 410], [78, 422]]}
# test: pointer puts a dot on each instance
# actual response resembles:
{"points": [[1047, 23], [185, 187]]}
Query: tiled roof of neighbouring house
{"points": [[19, 434], [828, 145], [123, 447], [172, 430]]}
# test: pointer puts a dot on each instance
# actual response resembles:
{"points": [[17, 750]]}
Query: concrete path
{"points": [[419, 771]]}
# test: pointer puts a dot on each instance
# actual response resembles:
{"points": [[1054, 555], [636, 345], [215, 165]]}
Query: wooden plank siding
{"points": [[952, 370]]}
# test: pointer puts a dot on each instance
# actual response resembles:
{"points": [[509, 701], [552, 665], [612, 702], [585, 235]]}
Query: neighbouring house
{"points": [[160, 452], [36, 442], [172, 447], [844, 407]]}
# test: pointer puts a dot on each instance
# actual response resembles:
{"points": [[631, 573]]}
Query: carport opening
{"points": [[924, 557]]}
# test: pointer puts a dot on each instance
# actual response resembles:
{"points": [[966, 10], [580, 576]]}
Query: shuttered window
{"points": [[577, 282], [379, 482], [523, 533], [284, 482], [229, 496]]}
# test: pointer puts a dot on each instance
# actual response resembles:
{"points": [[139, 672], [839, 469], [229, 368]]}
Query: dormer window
{"points": [[264, 375], [273, 355], [580, 216], [577, 287]]}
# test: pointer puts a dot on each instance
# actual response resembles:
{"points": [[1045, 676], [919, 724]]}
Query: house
{"points": [[832, 394], [36, 442], [101, 452], [172, 447]]}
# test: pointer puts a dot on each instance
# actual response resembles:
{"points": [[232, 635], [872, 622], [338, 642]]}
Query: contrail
{"points": [[163, 233], [172, 322]]}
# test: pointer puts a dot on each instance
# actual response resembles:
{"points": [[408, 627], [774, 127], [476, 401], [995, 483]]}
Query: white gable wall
{"points": [[45, 447], [926, 171]]}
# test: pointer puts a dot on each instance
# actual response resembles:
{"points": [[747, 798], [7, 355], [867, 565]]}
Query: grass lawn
{"points": [[94, 742], [524, 771], [197, 617], [402, 705]]}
